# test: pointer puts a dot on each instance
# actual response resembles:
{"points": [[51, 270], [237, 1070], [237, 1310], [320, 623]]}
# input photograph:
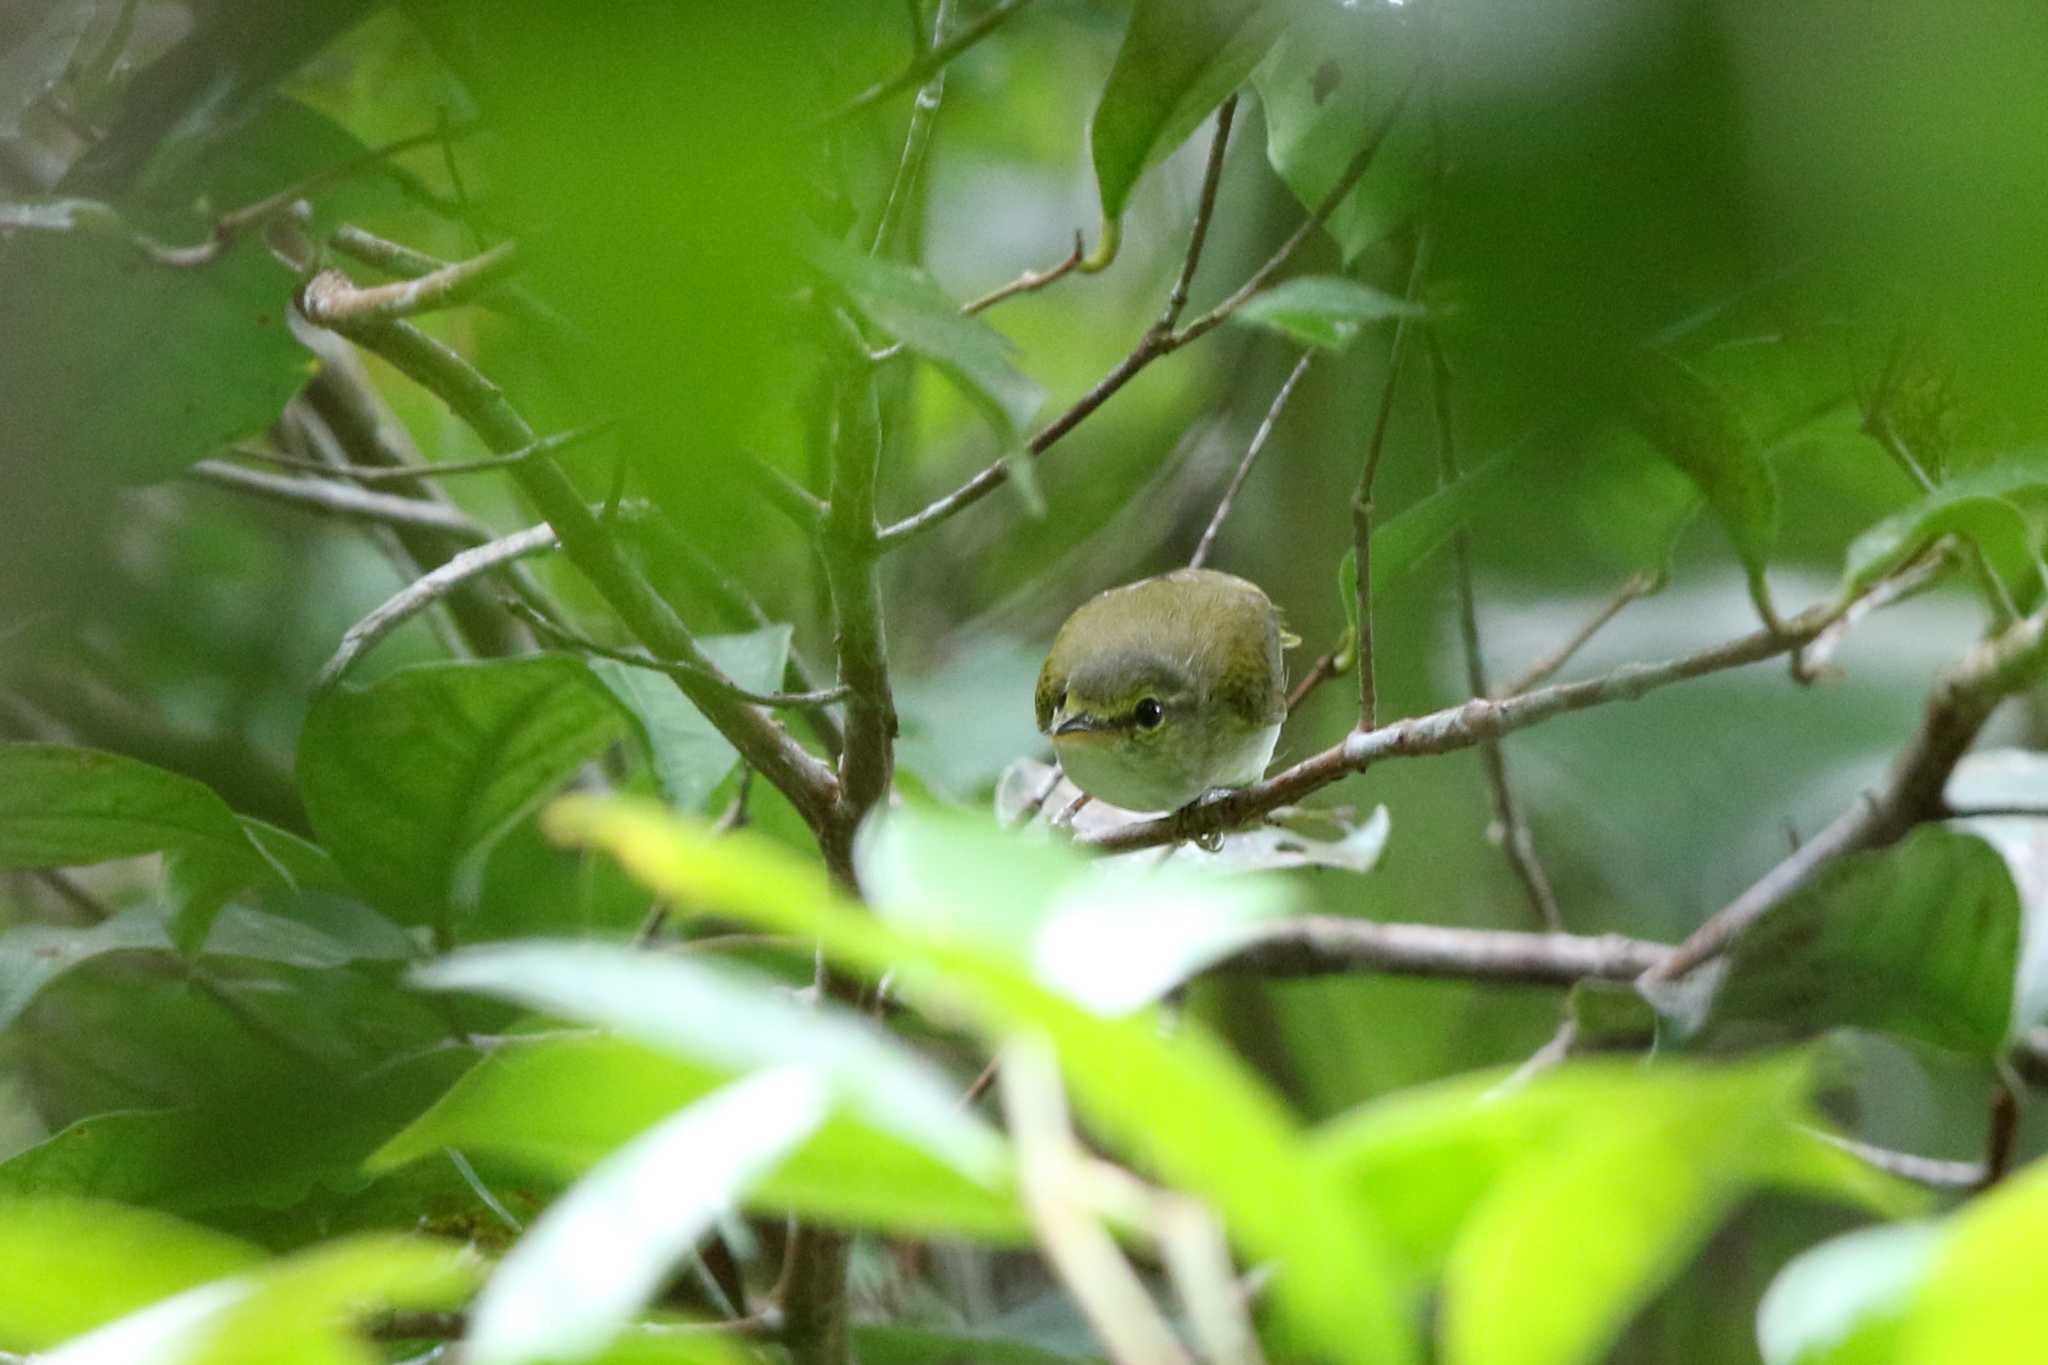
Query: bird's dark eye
{"points": [[1149, 712]]}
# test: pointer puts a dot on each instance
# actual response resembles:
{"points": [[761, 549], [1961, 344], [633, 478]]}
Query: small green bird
{"points": [[1162, 689]]}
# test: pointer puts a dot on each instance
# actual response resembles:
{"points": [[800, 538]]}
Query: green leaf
{"points": [[600, 1252], [412, 780], [68, 807], [896, 1344], [903, 301], [1184, 1106], [1841, 1302], [1329, 82], [563, 1103], [736, 1021], [1111, 935], [1920, 939], [1556, 1258], [1326, 311], [1979, 507], [297, 1309], [1423, 1160], [34, 955], [70, 1265], [1980, 1302], [690, 757], [1179, 60], [1693, 425]]}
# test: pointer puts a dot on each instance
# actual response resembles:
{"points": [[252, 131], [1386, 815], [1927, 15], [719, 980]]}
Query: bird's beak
{"points": [[1075, 725]]}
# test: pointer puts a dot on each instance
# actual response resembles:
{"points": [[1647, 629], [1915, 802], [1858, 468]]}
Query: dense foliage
{"points": [[529, 535]]}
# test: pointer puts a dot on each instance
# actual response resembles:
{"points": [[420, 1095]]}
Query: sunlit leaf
{"points": [[601, 1251], [735, 1021], [1179, 60], [1980, 1302], [411, 780], [564, 1103], [70, 1265], [1325, 311], [690, 757], [1842, 1301]]}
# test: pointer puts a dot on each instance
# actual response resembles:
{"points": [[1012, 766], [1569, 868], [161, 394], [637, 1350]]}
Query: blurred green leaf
{"points": [[690, 757], [1555, 1259], [1696, 427], [62, 806], [1920, 939], [1978, 506], [1182, 1105], [563, 1103], [1179, 60], [736, 1021], [410, 781], [1842, 1301], [1403, 542], [1330, 81], [894, 1344], [903, 301], [298, 1309], [600, 1252], [70, 1265], [1980, 1302], [1325, 311]]}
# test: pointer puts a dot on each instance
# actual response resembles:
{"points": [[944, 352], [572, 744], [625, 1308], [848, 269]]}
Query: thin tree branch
{"points": [[569, 639], [1205, 212], [424, 591], [406, 263], [331, 300], [1030, 281], [1154, 344], [1934, 1172], [1454, 727], [759, 737], [339, 500], [1251, 455], [1962, 700], [375, 474], [1326, 667], [1361, 501], [1325, 945], [1544, 669], [928, 64], [1517, 844]]}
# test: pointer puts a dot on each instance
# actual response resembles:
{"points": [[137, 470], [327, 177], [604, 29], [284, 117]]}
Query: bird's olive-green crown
{"points": [[1191, 638]]}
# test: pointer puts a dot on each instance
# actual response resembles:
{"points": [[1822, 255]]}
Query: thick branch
{"points": [[759, 737]]}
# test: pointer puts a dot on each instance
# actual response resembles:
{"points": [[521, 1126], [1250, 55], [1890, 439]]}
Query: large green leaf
{"points": [[68, 807], [1555, 1259], [1331, 81], [690, 757], [1182, 1106], [1695, 426], [1179, 60], [600, 1252], [905, 302], [298, 1309], [1842, 1301], [1325, 311], [1920, 939], [733, 1020], [411, 781], [1981, 507], [70, 1265], [564, 1103]]}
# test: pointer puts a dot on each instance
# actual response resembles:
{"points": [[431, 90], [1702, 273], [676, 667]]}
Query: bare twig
{"points": [[1545, 668], [1320, 945], [331, 299], [1251, 455], [1205, 213], [1155, 343], [1030, 281], [1962, 701], [582, 644], [339, 500], [1361, 501], [406, 263], [927, 64], [424, 591], [1934, 1172], [1454, 727], [1326, 667], [374, 474], [1517, 844]]}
